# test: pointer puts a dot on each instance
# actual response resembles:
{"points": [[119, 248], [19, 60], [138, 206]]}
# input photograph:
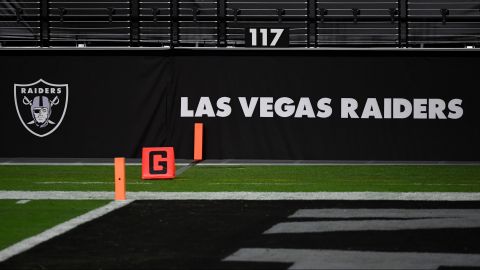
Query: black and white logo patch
{"points": [[41, 106]]}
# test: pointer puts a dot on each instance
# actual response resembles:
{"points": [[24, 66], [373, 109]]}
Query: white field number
{"points": [[264, 33]]}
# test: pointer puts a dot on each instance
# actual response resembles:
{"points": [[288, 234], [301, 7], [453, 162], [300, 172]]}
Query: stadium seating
{"points": [[222, 23]]}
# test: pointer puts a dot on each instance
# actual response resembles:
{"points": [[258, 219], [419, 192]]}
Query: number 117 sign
{"points": [[266, 37]]}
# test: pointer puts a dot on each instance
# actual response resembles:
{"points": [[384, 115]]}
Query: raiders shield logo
{"points": [[41, 106]]}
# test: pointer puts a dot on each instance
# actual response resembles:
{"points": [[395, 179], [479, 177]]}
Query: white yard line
{"points": [[73, 164], [306, 184], [87, 183], [272, 183], [60, 229], [186, 167], [256, 163], [23, 201], [105, 195], [339, 164], [62, 164], [261, 184]]}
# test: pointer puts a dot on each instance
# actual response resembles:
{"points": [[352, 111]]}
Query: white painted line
{"points": [[59, 229], [22, 201], [339, 259], [87, 183], [272, 183], [61, 164], [306, 184], [338, 164], [423, 184], [303, 227], [56, 195], [261, 184], [73, 183], [186, 167], [383, 213], [349, 196], [259, 163], [400, 219], [72, 164]]}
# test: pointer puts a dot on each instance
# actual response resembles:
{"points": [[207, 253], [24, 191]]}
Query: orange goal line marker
{"points": [[120, 186], [198, 142]]}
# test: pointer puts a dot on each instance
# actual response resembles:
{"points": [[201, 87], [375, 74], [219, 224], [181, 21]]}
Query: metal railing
{"points": [[221, 23]]}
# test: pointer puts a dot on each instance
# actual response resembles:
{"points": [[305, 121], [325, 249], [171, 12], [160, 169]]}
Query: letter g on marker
{"points": [[158, 163]]}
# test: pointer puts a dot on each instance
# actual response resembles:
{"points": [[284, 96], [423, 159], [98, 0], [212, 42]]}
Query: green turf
{"points": [[19, 221], [439, 178]]}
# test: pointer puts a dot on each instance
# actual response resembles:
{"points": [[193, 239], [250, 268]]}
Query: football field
{"points": [[242, 217]]}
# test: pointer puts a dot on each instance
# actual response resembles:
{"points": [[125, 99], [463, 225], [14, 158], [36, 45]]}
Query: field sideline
{"points": [[34, 198], [310, 178]]}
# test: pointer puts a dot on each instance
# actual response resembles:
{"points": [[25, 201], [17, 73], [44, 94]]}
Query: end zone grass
{"points": [[382, 178], [19, 221]]}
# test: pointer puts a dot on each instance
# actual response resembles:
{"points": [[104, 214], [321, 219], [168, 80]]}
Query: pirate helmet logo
{"points": [[41, 106]]}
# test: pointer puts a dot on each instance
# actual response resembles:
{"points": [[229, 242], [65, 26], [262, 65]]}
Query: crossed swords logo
{"points": [[53, 102]]}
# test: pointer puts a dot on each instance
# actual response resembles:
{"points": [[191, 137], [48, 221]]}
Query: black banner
{"points": [[352, 105]]}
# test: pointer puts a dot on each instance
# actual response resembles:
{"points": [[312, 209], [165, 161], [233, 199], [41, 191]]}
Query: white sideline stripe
{"points": [[106, 195], [59, 229]]}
